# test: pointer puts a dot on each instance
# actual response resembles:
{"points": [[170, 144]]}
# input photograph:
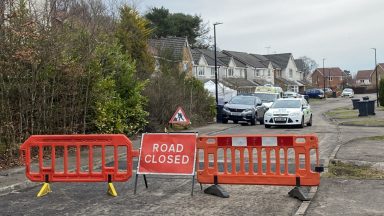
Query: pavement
{"points": [[343, 196]]}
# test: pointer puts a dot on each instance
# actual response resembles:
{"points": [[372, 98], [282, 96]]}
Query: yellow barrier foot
{"points": [[44, 190], [111, 189]]}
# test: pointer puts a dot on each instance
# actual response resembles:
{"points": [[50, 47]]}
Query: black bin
{"points": [[371, 107], [219, 115], [363, 108], [354, 103], [366, 98], [334, 94]]}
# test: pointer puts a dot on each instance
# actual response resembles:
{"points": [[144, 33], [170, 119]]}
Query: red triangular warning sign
{"points": [[179, 117]]}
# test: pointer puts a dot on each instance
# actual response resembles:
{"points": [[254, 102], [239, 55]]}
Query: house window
{"points": [[230, 72], [330, 78], [290, 73], [269, 72], [212, 71], [201, 71], [257, 73], [361, 81]]}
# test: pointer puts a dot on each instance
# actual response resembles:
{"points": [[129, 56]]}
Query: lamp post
{"points": [[377, 85], [324, 76], [216, 80], [329, 78]]}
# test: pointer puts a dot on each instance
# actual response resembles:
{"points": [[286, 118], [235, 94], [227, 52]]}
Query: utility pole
{"points": [[216, 80], [324, 76], [377, 80]]}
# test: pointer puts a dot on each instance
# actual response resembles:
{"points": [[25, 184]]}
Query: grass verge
{"points": [[339, 169], [342, 113], [315, 101], [376, 138], [370, 122]]}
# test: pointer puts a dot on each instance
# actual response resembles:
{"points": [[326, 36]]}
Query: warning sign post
{"points": [[179, 117], [167, 154]]}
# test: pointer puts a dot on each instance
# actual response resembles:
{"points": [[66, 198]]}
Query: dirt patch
{"points": [[337, 169]]}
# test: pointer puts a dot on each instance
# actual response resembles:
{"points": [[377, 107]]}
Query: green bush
{"points": [[118, 99], [171, 88], [381, 92]]}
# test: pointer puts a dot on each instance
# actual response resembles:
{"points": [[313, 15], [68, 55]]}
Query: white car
{"points": [[289, 111], [290, 94], [348, 93]]}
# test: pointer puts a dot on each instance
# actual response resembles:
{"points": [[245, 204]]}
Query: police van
{"points": [[268, 94]]}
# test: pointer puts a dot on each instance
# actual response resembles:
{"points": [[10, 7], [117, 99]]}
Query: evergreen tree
{"points": [[180, 25], [133, 33]]}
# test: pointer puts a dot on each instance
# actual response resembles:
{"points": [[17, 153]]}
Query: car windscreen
{"points": [[266, 97], [286, 104], [347, 90], [242, 100]]}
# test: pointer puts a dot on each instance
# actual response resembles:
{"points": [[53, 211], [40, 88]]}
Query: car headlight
{"points": [[295, 114], [248, 110], [226, 109], [268, 114]]}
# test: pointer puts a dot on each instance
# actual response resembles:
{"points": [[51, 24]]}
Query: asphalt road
{"points": [[171, 195]]}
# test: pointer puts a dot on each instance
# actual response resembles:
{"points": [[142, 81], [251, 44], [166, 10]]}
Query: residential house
{"points": [[241, 85], [334, 78], [300, 65], [288, 75], [204, 66], [173, 49], [231, 72], [380, 73], [301, 68], [257, 70], [228, 67], [363, 77]]}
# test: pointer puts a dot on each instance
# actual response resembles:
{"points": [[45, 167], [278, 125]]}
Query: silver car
{"points": [[348, 92], [244, 108]]}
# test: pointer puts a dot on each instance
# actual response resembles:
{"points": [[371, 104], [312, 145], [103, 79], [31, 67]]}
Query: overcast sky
{"points": [[342, 31]]}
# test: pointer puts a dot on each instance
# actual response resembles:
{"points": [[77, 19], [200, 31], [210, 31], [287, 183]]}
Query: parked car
{"points": [[315, 93], [289, 111], [247, 108], [328, 92], [348, 92], [290, 94]]}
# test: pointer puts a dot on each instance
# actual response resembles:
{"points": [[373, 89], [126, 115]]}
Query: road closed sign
{"points": [[171, 154]]}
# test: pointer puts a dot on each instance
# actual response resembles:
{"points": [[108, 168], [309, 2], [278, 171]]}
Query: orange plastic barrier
{"points": [[52, 145], [258, 160]]}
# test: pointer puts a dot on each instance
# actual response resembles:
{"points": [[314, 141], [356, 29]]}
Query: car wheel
{"points": [[235, 121], [253, 121], [302, 123], [267, 126], [310, 121], [225, 121]]}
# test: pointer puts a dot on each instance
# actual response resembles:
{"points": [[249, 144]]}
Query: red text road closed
{"points": [[167, 154]]}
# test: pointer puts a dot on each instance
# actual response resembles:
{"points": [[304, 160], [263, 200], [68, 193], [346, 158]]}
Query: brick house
{"points": [[380, 73], [363, 77], [334, 78], [173, 49]]}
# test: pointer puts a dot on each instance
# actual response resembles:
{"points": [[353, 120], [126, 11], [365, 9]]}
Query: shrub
{"points": [[381, 92]]}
